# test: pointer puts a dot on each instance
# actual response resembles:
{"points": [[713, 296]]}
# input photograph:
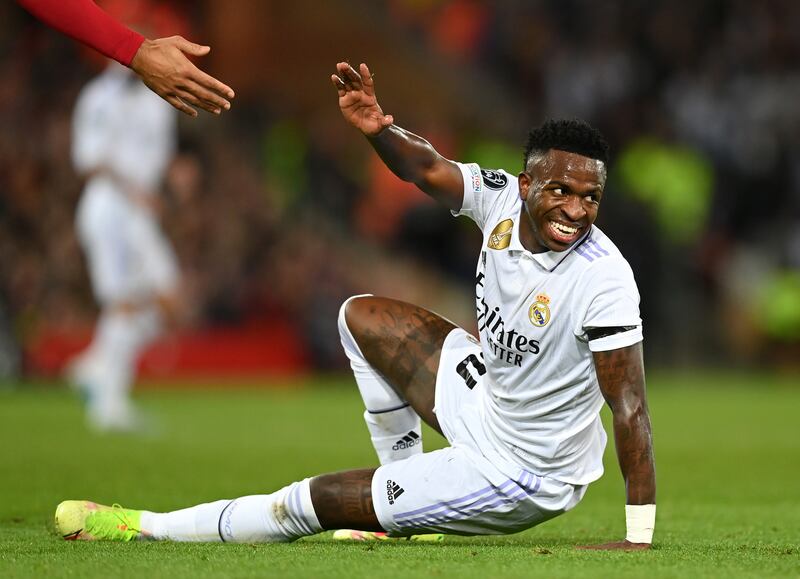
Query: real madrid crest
{"points": [[539, 312]]}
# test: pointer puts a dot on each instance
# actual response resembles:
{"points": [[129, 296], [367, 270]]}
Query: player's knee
{"points": [[351, 315]]}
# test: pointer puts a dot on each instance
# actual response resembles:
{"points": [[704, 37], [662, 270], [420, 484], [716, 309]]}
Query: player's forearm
{"points": [[634, 442], [84, 21], [620, 374], [407, 155], [414, 159]]}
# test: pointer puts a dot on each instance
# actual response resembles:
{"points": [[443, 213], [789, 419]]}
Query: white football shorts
{"points": [[128, 256], [467, 488]]}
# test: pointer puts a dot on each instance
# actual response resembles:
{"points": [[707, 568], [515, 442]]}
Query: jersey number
{"points": [[463, 370]]}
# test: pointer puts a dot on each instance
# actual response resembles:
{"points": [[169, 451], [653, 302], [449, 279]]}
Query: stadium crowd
{"points": [[272, 216]]}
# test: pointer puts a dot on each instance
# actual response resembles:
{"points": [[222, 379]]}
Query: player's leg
{"points": [[403, 342], [394, 350], [344, 500], [104, 371], [299, 509], [123, 331], [137, 290]]}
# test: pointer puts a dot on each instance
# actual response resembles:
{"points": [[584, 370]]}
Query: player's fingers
{"points": [[351, 78], [339, 84], [343, 71], [187, 96], [210, 83], [180, 105], [366, 79], [206, 96], [341, 67], [191, 47]]}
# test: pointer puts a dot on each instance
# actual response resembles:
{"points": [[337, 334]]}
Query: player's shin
{"points": [[395, 434], [280, 517], [393, 425], [194, 524]]}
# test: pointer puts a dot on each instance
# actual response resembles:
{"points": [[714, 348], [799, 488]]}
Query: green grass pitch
{"points": [[727, 450]]}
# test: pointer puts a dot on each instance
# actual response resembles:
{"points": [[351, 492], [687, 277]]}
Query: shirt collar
{"points": [[547, 259]]}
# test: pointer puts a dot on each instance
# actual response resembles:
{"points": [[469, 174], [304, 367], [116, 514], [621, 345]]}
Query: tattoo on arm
{"points": [[621, 377]]}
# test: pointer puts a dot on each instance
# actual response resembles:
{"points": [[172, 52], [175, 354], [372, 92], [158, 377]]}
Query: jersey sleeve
{"points": [[472, 204], [86, 22], [613, 303], [484, 189]]}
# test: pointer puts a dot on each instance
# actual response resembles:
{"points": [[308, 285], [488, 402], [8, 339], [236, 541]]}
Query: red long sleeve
{"points": [[85, 21]]}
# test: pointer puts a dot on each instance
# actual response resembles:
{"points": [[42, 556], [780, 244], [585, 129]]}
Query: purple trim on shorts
{"points": [[452, 515], [453, 502], [527, 486], [430, 519], [450, 511], [463, 509]]}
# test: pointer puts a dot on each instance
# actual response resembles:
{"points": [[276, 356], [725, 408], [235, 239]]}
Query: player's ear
{"points": [[524, 180]]}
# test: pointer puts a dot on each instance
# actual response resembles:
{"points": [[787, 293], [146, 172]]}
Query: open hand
{"points": [[357, 99], [164, 68], [617, 546]]}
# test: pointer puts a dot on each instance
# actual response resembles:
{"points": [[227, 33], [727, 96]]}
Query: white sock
{"points": [[394, 427], [121, 338], [195, 524], [280, 517]]}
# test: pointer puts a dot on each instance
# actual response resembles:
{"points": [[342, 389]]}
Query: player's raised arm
{"points": [[621, 376], [407, 155], [162, 63]]}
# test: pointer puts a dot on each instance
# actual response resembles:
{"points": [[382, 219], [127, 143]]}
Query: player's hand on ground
{"points": [[165, 69], [357, 99], [617, 546]]}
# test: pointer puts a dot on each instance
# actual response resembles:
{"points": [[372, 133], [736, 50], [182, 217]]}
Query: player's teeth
{"points": [[564, 228]]}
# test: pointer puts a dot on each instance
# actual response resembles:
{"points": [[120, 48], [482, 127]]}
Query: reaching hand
{"points": [[617, 546], [357, 99], [165, 69]]}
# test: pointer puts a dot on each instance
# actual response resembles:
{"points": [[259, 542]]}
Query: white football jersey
{"points": [[542, 400], [121, 125]]}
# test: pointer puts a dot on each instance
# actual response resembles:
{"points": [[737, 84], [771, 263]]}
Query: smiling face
{"points": [[561, 193]]}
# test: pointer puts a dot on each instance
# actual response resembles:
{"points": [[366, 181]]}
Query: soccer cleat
{"points": [[88, 521], [353, 535]]}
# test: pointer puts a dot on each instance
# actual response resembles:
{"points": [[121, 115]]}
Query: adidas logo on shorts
{"points": [[393, 491], [409, 440]]}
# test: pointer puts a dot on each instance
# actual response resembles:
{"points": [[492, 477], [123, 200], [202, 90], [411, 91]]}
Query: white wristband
{"points": [[640, 521]]}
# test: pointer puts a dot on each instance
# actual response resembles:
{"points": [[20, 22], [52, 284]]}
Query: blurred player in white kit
{"points": [[124, 137]]}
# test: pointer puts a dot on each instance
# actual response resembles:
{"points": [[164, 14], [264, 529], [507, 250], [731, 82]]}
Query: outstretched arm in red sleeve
{"points": [[162, 63]]}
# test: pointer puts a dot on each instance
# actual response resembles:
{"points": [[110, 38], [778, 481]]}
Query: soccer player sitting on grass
{"points": [[557, 310]]}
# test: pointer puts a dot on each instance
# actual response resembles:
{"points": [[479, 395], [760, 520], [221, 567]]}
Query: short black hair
{"points": [[571, 135]]}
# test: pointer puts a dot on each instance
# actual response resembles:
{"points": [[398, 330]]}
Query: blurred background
{"points": [[278, 210]]}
